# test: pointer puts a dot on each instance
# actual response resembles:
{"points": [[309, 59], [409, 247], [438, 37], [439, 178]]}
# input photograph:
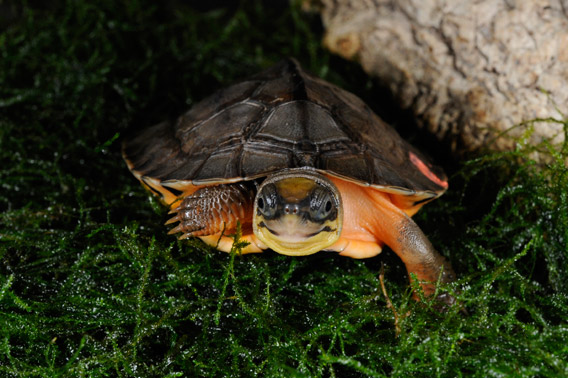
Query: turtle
{"points": [[300, 165]]}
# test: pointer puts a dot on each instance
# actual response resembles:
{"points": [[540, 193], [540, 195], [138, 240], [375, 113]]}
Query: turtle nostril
{"points": [[291, 209]]}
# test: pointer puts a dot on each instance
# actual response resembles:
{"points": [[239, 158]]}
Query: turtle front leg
{"points": [[371, 219], [421, 259], [212, 210], [396, 229]]}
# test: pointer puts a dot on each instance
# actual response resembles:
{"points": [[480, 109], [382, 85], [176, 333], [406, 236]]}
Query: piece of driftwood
{"points": [[470, 70]]}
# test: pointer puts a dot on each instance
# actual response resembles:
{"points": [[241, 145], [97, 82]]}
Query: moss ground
{"points": [[91, 285]]}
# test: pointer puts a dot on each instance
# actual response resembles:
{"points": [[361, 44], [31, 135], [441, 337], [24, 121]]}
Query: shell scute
{"points": [[205, 137], [255, 160], [215, 103]]}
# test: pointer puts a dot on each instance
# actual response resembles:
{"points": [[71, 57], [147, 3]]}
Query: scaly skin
{"points": [[212, 209]]}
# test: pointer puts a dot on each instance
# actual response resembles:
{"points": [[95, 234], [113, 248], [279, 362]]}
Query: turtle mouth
{"points": [[291, 236], [297, 212], [295, 236]]}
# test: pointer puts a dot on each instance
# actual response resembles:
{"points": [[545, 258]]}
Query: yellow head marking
{"points": [[295, 189]]}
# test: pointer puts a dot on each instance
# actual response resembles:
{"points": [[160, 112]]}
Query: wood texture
{"points": [[469, 70]]}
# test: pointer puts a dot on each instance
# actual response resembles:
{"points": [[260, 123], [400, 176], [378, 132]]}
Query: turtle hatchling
{"points": [[303, 165]]}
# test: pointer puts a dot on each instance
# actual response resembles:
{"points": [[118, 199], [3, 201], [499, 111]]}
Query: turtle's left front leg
{"points": [[421, 259], [408, 241], [213, 209]]}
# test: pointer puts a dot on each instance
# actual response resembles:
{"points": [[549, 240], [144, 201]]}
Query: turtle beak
{"points": [[297, 213]]}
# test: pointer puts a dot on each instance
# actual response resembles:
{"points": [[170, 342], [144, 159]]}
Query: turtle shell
{"points": [[282, 118]]}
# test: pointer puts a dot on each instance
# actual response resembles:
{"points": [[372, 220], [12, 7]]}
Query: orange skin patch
{"points": [[368, 220], [166, 196]]}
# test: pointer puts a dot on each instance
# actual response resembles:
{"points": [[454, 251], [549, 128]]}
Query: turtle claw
{"points": [[446, 299], [173, 220], [176, 229], [187, 228], [185, 233], [185, 236], [175, 210], [443, 302]]}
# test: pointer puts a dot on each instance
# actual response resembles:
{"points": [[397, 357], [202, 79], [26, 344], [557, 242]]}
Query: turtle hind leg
{"points": [[213, 209]]}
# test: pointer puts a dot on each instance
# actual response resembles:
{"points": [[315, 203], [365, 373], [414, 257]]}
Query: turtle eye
{"points": [[321, 204], [267, 201], [261, 204]]}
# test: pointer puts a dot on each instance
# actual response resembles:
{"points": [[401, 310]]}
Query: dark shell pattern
{"points": [[282, 118]]}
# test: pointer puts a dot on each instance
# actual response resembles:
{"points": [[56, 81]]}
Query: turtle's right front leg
{"points": [[213, 209]]}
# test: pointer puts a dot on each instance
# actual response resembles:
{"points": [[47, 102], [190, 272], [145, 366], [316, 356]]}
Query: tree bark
{"points": [[469, 70]]}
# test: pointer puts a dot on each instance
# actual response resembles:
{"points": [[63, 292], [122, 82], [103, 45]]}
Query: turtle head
{"points": [[297, 212]]}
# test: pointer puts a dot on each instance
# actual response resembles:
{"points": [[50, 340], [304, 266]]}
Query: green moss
{"points": [[91, 285]]}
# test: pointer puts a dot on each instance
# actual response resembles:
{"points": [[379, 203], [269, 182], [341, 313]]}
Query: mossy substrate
{"points": [[91, 284]]}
